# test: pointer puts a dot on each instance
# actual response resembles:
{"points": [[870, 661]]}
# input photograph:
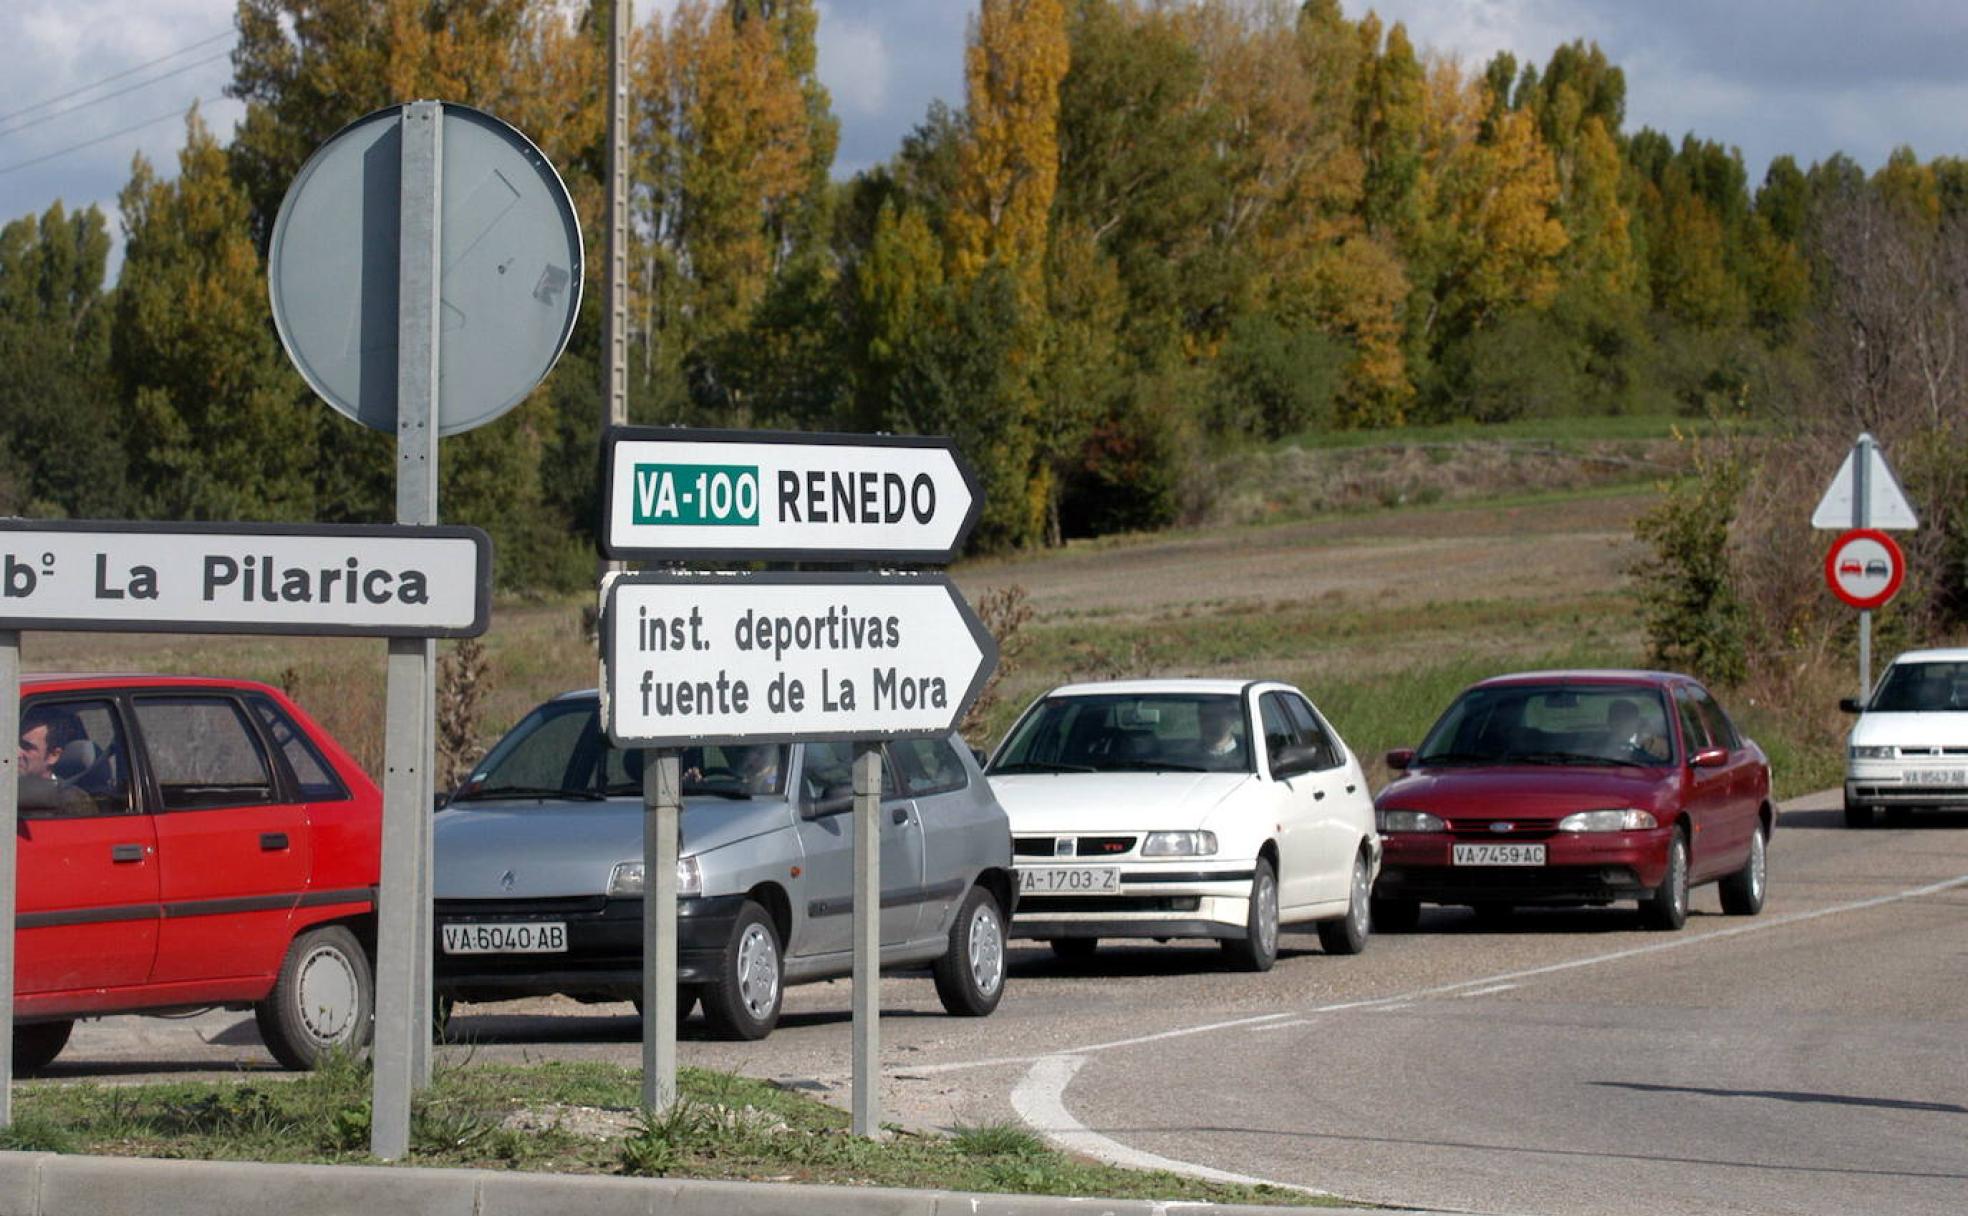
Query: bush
{"points": [[1694, 620]]}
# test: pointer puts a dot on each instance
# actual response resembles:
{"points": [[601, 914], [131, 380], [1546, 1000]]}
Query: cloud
{"points": [[853, 65]]}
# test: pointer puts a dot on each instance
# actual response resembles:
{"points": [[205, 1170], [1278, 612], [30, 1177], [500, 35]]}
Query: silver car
{"points": [[539, 876]]}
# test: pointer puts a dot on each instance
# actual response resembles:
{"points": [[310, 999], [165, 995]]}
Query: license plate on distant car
{"points": [[548, 937], [1498, 855], [1936, 776], [1069, 880]]}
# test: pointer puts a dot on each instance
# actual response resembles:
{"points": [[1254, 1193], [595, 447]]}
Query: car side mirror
{"points": [[832, 801], [1401, 759], [1851, 705], [1710, 757], [1293, 760], [981, 756]]}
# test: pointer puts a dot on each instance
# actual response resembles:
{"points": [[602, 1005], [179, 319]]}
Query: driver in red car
{"points": [[45, 735]]}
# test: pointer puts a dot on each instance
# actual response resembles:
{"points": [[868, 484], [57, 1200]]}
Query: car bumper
{"points": [[1579, 868], [1888, 784], [1182, 899], [603, 959]]}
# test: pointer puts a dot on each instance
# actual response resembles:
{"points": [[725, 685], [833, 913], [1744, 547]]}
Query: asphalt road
{"points": [[1813, 1059]]}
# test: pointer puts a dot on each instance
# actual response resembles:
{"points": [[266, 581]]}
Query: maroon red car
{"points": [[186, 843], [1579, 788]]}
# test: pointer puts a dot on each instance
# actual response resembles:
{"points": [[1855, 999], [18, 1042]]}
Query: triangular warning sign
{"points": [[1886, 505]]}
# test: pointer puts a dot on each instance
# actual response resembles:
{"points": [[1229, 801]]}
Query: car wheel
{"points": [[37, 1044], [1257, 949], [686, 1002], [1074, 949], [1391, 915], [742, 1000], [1742, 892], [1667, 907], [970, 976], [1857, 814], [1348, 934], [1492, 915], [324, 1000]]}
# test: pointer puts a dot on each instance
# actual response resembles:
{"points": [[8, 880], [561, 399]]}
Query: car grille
{"points": [[1910, 793], [1479, 829], [567, 906], [1033, 904], [1083, 846], [1934, 751]]}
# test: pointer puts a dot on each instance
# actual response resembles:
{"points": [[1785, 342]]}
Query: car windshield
{"points": [[560, 751], [1571, 724], [1151, 732], [1918, 688]]}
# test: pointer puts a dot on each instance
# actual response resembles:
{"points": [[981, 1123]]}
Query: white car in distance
{"points": [[1186, 808], [1909, 748]]}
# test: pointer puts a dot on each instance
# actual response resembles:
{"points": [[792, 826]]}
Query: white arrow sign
{"points": [[689, 657], [784, 496], [323, 580], [1883, 505]]}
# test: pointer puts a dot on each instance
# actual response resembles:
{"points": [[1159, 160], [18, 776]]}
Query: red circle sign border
{"points": [[1865, 603]]}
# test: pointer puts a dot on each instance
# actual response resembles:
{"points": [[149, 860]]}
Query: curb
{"points": [[60, 1184]]}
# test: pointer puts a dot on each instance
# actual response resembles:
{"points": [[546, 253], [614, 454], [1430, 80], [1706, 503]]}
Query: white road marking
{"points": [[1487, 991], [1281, 1025], [1040, 1098], [1038, 1101]]}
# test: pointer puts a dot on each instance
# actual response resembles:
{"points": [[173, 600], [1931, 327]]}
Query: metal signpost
{"points": [[296, 579], [777, 657], [1864, 495], [425, 273]]}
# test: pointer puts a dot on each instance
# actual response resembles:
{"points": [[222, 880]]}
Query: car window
{"points": [[928, 766], [1202, 732], [1279, 733], [1552, 724], [1914, 688], [313, 777], [555, 747], [81, 758], [203, 753], [1313, 732], [827, 771], [1720, 728], [1694, 732]]}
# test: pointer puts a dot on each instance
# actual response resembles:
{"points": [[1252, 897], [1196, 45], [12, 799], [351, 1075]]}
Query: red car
{"points": [[186, 843], [1576, 787]]}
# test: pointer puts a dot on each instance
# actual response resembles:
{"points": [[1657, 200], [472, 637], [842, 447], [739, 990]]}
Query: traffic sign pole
{"points": [[1862, 518], [662, 807], [866, 1119], [9, 857]]}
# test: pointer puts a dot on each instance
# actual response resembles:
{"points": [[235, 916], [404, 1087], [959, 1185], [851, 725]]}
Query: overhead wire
{"points": [[179, 112], [128, 88], [116, 76]]}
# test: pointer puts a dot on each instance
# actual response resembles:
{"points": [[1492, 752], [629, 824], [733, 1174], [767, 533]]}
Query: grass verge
{"points": [[575, 1117]]}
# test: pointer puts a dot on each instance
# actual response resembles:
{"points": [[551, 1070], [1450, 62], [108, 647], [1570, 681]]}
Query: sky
{"points": [[87, 84]]}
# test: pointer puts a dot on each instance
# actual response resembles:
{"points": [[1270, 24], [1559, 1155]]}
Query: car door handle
{"points": [[126, 852], [1318, 795], [272, 842], [900, 814], [1350, 787]]}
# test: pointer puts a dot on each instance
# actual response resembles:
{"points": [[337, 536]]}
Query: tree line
{"points": [[1152, 230]]}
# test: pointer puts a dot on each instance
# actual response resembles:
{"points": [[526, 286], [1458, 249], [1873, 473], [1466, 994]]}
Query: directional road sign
{"points": [[1865, 568], [784, 496], [1864, 494], [690, 657], [374, 581]]}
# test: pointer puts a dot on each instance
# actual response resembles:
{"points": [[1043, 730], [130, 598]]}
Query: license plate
{"points": [[1069, 880], [1936, 776], [538, 938], [1498, 855]]}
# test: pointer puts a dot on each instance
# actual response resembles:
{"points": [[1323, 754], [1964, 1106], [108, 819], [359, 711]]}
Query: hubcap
{"points": [[1677, 887], [758, 971], [1266, 896], [326, 994], [1356, 910], [1756, 865], [986, 950]]}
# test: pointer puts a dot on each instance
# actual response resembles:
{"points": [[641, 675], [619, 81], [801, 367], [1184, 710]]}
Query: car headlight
{"points": [[1179, 844], [1408, 821], [1872, 753], [627, 878], [1623, 819]]}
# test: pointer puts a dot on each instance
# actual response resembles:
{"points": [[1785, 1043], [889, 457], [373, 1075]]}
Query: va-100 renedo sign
{"points": [[765, 657], [245, 578], [784, 496]]}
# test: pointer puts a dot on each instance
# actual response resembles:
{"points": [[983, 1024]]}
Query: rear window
{"points": [[203, 753], [313, 776]]}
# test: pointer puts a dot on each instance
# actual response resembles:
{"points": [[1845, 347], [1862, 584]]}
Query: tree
{"points": [[216, 428], [60, 446]]}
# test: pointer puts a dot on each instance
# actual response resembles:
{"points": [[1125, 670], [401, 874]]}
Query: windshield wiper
{"points": [[1041, 766], [1457, 758], [734, 793], [1154, 766], [527, 791], [1568, 758]]}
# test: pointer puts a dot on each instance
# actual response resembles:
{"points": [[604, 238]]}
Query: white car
{"points": [[1909, 747], [1186, 808]]}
